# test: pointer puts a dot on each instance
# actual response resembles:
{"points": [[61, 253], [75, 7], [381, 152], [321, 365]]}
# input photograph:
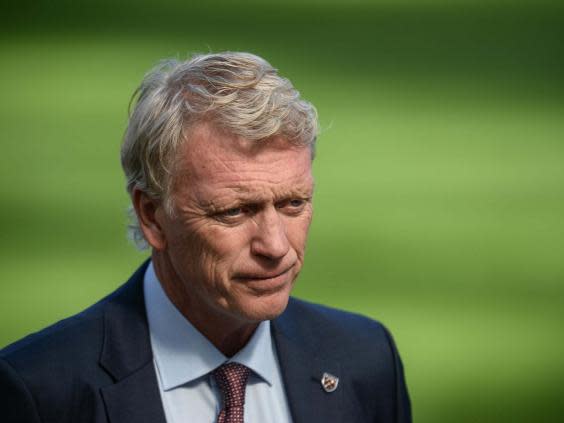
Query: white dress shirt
{"points": [[184, 358]]}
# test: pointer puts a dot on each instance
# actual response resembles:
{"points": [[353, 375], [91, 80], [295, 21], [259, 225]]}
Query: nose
{"points": [[270, 239]]}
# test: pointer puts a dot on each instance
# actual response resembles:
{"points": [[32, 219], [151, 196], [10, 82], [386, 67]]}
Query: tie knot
{"points": [[232, 381]]}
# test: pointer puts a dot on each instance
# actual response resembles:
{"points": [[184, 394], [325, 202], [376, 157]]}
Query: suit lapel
{"points": [[302, 371], [128, 358], [135, 398]]}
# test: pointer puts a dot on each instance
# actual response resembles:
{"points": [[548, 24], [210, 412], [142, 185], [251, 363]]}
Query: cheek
{"points": [[297, 231], [222, 247], [192, 250]]}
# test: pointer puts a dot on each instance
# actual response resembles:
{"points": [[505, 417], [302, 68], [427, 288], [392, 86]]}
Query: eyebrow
{"points": [[244, 196], [302, 191]]}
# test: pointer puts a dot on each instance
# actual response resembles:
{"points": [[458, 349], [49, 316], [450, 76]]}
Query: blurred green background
{"points": [[440, 173]]}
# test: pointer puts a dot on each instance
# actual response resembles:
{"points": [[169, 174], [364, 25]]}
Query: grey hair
{"points": [[239, 93]]}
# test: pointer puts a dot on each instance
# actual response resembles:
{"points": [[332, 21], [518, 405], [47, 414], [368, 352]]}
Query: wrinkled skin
{"points": [[230, 253]]}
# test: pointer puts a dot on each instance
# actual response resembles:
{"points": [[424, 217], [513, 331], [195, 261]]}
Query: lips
{"points": [[272, 281], [260, 276]]}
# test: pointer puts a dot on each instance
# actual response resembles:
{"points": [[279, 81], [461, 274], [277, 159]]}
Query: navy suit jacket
{"points": [[97, 366]]}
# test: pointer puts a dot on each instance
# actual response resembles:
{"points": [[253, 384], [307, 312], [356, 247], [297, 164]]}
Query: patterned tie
{"points": [[232, 381]]}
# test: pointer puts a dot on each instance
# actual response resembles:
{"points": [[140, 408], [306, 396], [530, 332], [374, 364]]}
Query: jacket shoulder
{"points": [[69, 336], [332, 325], [365, 350], [63, 363], [40, 374], [76, 335], [73, 345]]}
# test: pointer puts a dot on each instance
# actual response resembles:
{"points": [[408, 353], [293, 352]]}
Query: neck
{"points": [[227, 333]]}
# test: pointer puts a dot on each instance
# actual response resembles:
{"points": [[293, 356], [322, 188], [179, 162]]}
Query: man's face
{"points": [[237, 238]]}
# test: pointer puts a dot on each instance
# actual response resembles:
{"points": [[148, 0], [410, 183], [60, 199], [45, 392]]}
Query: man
{"points": [[217, 157]]}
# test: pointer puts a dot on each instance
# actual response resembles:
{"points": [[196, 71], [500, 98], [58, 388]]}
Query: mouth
{"points": [[265, 282]]}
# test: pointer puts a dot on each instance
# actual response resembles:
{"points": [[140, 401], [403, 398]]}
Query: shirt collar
{"points": [[182, 354]]}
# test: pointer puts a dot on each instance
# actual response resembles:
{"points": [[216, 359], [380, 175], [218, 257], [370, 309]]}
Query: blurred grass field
{"points": [[440, 174]]}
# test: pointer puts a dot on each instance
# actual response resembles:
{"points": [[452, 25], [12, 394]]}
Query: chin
{"points": [[266, 307]]}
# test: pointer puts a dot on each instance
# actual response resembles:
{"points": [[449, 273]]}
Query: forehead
{"points": [[212, 160]]}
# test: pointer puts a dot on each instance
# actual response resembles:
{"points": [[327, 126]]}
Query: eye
{"points": [[293, 206], [235, 211], [232, 215], [297, 202]]}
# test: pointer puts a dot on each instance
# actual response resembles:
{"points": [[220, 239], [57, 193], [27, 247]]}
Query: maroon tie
{"points": [[232, 381]]}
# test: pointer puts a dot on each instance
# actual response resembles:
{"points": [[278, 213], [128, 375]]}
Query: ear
{"points": [[150, 216]]}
